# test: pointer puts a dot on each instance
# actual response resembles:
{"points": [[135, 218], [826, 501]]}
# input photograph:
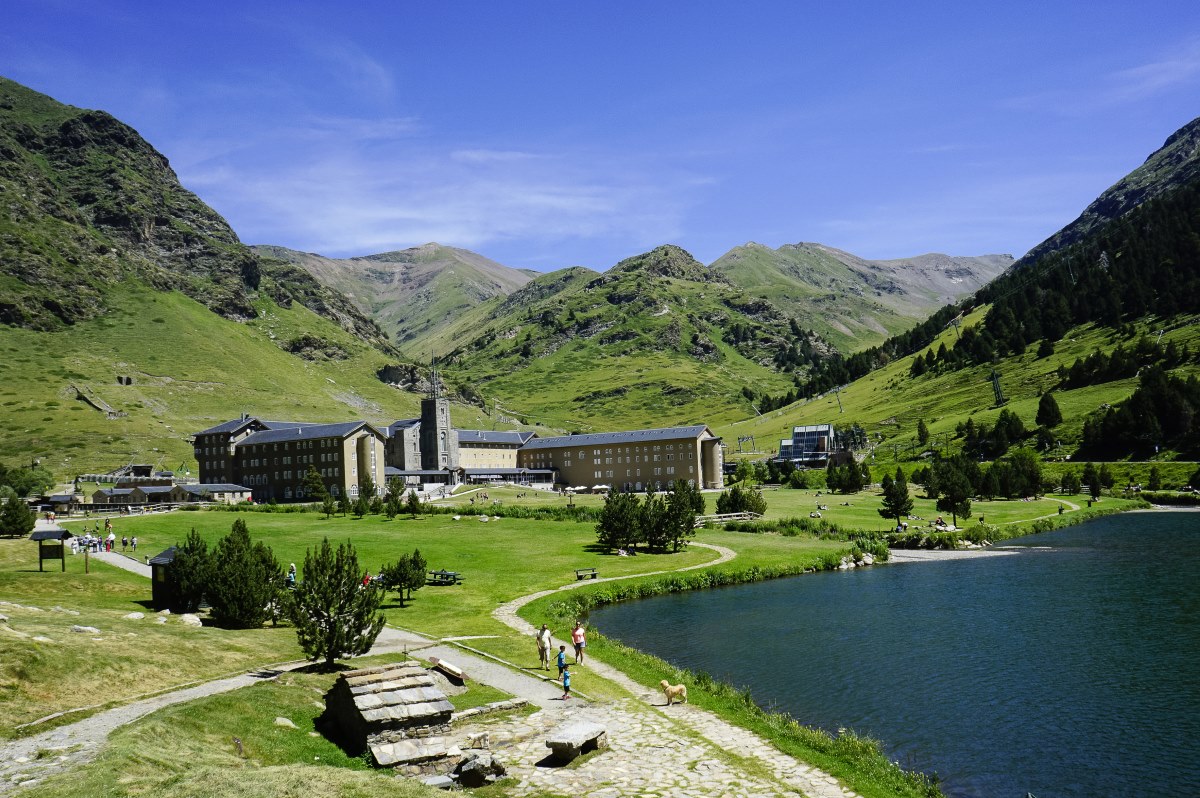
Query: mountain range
{"points": [[131, 314]]}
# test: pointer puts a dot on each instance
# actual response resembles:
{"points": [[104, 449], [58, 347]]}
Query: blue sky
{"points": [[546, 135]]}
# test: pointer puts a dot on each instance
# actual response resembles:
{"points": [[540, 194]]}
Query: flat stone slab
{"points": [[404, 752], [574, 737]]}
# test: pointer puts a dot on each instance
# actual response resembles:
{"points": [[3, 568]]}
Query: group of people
{"points": [[545, 644]]}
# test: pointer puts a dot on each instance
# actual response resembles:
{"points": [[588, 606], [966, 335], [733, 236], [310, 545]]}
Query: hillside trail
{"points": [[678, 751]]}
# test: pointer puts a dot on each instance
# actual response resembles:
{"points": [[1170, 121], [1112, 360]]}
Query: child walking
{"points": [[566, 679], [562, 660]]}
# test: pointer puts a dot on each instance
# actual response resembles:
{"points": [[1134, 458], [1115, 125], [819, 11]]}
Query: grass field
{"points": [[500, 560]]}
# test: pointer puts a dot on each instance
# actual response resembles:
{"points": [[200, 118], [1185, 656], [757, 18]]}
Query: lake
{"points": [[1070, 668]]}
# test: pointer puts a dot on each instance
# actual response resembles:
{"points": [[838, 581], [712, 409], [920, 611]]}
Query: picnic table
{"points": [[444, 577]]}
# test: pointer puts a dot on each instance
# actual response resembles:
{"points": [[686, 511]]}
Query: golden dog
{"points": [[677, 693]]}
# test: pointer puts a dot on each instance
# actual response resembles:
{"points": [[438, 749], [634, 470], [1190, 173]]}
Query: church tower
{"points": [[439, 441]]}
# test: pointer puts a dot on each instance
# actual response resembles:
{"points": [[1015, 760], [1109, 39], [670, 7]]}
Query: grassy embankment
{"points": [[500, 560]]}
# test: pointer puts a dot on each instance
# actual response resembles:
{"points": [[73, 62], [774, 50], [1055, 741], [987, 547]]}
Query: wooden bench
{"points": [[575, 737], [585, 573]]}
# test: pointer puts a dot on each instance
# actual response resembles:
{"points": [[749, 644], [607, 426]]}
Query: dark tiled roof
{"points": [[156, 488], [617, 438], [115, 491], [511, 437], [57, 533], [165, 557], [404, 423], [215, 487], [304, 433], [237, 424], [229, 426]]}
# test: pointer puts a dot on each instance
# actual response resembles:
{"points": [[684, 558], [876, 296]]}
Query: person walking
{"points": [[566, 680], [133, 540], [562, 660], [543, 646], [124, 543], [578, 639]]}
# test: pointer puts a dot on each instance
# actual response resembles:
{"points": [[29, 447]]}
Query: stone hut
{"points": [[396, 711]]}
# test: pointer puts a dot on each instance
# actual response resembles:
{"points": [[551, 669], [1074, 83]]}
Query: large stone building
{"points": [[647, 459], [272, 457]]}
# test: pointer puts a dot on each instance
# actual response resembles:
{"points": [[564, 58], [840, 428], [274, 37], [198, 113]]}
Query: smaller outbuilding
{"points": [[396, 711], [161, 596]]}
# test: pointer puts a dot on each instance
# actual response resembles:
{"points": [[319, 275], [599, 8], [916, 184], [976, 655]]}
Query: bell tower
{"points": [[439, 441]]}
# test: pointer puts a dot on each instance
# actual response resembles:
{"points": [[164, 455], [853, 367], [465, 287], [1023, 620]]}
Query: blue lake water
{"points": [[1071, 668]]}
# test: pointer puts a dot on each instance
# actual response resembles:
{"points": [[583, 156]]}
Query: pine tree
{"points": [[334, 614], [314, 485], [896, 501], [922, 432], [1048, 414], [413, 505], [619, 521], [328, 506], [187, 575], [244, 580], [652, 522], [956, 494], [680, 516], [16, 519]]}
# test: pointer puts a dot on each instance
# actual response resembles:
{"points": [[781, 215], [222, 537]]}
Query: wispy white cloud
{"points": [[1177, 67], [354, 200]]}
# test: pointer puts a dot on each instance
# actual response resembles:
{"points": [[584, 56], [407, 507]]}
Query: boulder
{"points": [[91, 630], [285, 722], [478, 769], [188, 619], [134, 616]]}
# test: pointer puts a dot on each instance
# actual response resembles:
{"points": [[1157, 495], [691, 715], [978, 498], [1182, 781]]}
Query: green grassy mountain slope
{"points": [[853, 302], [131, 315], [658, 339], [188, 369], [89, 205], [413, 293]]}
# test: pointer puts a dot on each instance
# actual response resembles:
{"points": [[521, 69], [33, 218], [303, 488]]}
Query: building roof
{"points": [[115, 491], [505, 472], [617, 438], [392, 471], [61, 498], [155, 488], [237, 424], [50, 533], [511, 437], [404, 423], [165, 557], [305, 432], [214, 487]]}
